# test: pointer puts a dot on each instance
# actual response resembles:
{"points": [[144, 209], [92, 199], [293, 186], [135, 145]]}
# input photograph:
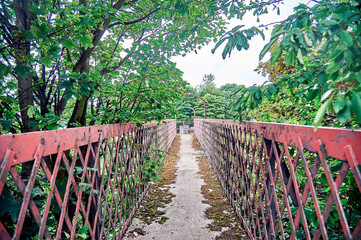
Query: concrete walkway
{"points": [[186, 211]]}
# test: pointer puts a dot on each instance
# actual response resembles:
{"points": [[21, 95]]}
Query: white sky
{"points": [[239, 67]]}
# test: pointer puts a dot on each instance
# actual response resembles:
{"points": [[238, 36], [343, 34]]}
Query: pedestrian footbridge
{"points": [[282, 181]]}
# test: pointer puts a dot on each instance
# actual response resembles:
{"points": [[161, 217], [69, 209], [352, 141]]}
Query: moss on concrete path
{"points": [[187, 203]]}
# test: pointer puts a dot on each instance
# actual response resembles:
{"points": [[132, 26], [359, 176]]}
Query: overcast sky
{"points": [[239, 68]]}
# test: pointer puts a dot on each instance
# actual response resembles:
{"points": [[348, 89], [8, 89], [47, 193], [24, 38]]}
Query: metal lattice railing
{"points": [[287, 181], [85, 182]]}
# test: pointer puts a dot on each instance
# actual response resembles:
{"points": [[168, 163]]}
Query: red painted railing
{"points": [[287, 181], [85, 182]]}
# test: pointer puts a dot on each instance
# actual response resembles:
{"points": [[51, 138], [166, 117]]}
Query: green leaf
{"points": [[31, 111], [290, 57], [324, 179], [54, 52], [321, 112], [307, 40], [86, 41], [330, 22], [347, 38], [6, 124], [66, 85], [67, 43], [333, 67], [227, 49], [356, 105], [241, 39], [268, 46], [336, 52], [345, 114], [52, 126], [339, 104], [69, 94], [46, 61], [4, 70], [312, 94], [272, 89], [235, 29], [336, 167], [218, 44], [33, 123], [22, 70], [327, 94], [300, 56], [12, 206], [276, 56], [358, 77]]}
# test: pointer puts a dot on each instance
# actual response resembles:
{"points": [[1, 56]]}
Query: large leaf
{"points": [[321, 112], [268, 46], [356, 105], [12, 206], [345, 114], [347, 38], [86, 41], [6, 124], [22, 70], [327, 94], [276, 56], [219, 43], [300, 56], [339, 104], [290, 57], [333, 67], [272, 89]]}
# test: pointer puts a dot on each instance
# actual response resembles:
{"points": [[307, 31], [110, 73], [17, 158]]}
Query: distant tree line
{"points": [[218, 100]]}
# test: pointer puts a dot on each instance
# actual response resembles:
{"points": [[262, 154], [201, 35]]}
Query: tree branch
{"points": [[134, 21], [7, 23], [99, 32]]}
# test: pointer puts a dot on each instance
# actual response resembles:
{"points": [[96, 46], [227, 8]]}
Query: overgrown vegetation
{"points": [[322, 43], [159, 193], [223, 217], [218, 100], [85, 62]]}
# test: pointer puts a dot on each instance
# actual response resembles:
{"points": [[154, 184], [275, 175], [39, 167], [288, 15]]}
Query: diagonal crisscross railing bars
{"points": [[287, 181], [85, 182]]}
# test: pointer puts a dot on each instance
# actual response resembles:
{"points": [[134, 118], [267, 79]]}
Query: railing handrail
{"points": [[102, 178], [269, 170], [22, 144], [331, 137]]}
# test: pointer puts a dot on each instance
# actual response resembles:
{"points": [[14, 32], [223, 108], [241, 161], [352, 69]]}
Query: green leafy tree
{"points": [[322, 41], [188, 101], [62, 60], [230, 94], [215, 106], [208, 85]]}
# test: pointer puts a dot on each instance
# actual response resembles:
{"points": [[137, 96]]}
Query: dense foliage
{"points": [[71, 63], [322, 42]]}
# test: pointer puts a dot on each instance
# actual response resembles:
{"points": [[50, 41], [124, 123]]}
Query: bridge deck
{"points": [[186, 214]]}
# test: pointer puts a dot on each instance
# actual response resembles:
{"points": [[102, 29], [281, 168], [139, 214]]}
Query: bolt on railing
{"points": [[287, 181], [85, 182]]}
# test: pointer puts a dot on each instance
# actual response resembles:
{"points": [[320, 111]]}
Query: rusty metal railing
{"points": [[287, 181], [85, 182]]}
